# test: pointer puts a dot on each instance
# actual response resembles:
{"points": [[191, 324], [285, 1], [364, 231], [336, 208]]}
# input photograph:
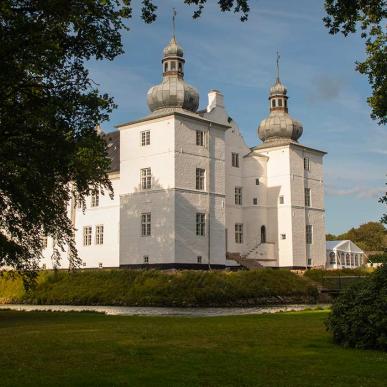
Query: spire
{"points": [[174, 21], [278, 58]]}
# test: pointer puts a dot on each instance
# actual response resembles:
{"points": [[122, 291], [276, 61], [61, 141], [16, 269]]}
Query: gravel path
{"points": [[154, 311]]}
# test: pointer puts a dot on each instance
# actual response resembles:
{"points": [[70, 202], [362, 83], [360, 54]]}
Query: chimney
{"points": [[215, 100]]}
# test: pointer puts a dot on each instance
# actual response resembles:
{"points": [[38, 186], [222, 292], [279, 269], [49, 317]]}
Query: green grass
{"points": [[158, 288], [86, 349]]}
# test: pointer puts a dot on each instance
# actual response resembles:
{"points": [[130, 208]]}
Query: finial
{"points": [[278, 58], [173, 21]]}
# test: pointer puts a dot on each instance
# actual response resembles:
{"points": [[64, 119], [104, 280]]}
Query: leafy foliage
{"points": [[346, 16], [370, 236], [359, 315], [49, 107], [378, 258], [383, 200]]}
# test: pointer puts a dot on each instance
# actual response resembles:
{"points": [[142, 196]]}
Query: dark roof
{"points": [[113, 149]]}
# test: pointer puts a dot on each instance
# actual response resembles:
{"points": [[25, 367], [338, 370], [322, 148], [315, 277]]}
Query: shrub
{"points": [[377, 258], [359, 315]]}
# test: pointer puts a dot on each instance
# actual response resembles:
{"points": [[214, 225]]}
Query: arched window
{"points": [[263, 234]]}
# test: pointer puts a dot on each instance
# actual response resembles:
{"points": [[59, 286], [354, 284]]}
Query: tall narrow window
{"points": [[44, 241], [95, 199], [146, 259], [255, 201], [99, 234], [332, 258], [309, 234], [238, 233], [263, 234], [306, 164], [200, 178], [280, 102], [146, 178], [200, 138], [238, 196], [200, 224], [281, 200], [146, 227], [235, 159], [307, 197], [257, 181], [273, 102], [87, 236], [145, 138]]}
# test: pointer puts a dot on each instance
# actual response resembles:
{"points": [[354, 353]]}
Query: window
{"points": [[347, 260], [356, 260], [263, 234], [200, 224], [255, 201], [173, 65], [146, 259], [84, 264], [235, 160], [95, 199], [286, 103], [280, 102], [180, 67], [87, 236], [238, 196], [146, 178], [309, 261], [281, 200], [332, 258], [309, 234], [238, 233], [256, 181], [146, 224], [99, 234], [352, 260], [200, 138], [145, 138], [283, 236], [100, 265], [307, 197], [199, 259], [306, 164], [166, 67], [273, 103], [200, 176], [44, 242]]}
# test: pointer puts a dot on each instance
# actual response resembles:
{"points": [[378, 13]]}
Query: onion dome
{"points": [[279, 125], [173, 91]]}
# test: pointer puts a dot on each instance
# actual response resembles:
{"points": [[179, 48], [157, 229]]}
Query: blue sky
{"points": [[325, 92]]}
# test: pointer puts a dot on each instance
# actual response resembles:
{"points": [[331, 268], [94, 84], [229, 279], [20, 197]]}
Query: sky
{"points": [[325, 92]]}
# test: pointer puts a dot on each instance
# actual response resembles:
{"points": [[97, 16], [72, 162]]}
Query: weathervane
{"points": [[278, 58], [173, 21]]}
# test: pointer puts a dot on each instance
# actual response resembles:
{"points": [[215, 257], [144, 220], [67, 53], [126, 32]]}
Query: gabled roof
{"points": [[345, 245]]}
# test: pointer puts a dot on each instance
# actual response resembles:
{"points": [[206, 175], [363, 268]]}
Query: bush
{"points": [[377, 258], [359, 315]]}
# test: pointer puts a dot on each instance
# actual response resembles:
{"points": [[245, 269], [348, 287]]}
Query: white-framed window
{"points": [[281, 199], [255, 201], [146, 259], [95, 199], [238, 196], [283, 236], [238, 233], [235, 159], [309, 234], [257, 181], [146, 178], [200, 137], [199, 259], [146, 224], [200, 178], [145, 137], [99, 234], [100, 265], [309, 261], [87, 235], [306, 164], [200, 224], [307, 197]]}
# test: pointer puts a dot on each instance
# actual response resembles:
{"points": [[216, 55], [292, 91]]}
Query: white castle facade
{"points": [[189, 193]]}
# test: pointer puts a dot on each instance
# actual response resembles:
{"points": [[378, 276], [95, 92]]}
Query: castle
{"points": [[189, 193]]}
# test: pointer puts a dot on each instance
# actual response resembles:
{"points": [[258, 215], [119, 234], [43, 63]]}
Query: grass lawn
{"points": [[87, 349]]}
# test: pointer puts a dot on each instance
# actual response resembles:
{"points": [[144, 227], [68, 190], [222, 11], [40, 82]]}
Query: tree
{"points": [[383, 199], [49, 107]]}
